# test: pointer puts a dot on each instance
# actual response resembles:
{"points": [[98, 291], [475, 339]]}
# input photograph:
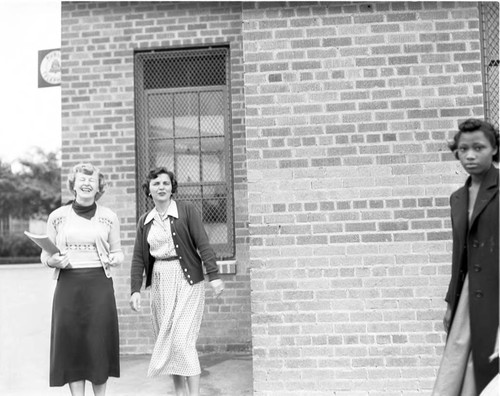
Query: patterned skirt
{"points": [[84, 338], [177, 311]]}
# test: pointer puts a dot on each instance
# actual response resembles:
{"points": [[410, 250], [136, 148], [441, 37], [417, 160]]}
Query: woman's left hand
{"points": [[115, 259], [217, 286]]}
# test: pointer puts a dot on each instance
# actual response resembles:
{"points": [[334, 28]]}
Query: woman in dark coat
{"points": [[471, 318]]}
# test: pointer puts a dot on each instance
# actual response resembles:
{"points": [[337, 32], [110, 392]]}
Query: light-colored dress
{"points": [[176, 306], [456, 371]]}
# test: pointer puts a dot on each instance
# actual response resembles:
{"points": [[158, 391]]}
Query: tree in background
{"points": [[32, 191], [9, 193], [42, 176]]}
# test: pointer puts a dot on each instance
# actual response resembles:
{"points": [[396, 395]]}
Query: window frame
{"points": [[144, 139], [489, 60]]}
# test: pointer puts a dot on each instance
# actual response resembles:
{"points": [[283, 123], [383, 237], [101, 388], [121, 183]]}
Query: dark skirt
{"points": [[84, 338]]}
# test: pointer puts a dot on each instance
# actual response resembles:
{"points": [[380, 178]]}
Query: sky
{"points": [[31, 116]]}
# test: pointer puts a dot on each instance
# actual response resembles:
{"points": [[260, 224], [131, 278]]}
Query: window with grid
{"points": [[182, 116], [488, 12]]}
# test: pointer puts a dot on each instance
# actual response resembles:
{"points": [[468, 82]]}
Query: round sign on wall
{"points": [[49, 69]]}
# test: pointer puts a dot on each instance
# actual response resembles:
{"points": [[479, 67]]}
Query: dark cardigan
{"points": [[189, 237], [475, 251]]}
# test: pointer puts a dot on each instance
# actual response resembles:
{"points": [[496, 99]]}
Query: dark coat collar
{"points": [[487, 190]]}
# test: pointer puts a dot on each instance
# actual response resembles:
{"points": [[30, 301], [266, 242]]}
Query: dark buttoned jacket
{"points": [[191, 245], [475, 251]]}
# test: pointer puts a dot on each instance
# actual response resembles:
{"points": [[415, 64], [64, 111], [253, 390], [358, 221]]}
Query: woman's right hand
{"points": [[447, 319], [58, 260], [135, 301]]}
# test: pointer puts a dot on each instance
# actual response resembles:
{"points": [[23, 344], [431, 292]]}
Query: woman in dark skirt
{"points": [[84, 338]]}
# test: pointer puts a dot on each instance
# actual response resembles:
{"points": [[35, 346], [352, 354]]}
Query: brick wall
{"points": [[98, 43], [340, 114], [348, 109]]}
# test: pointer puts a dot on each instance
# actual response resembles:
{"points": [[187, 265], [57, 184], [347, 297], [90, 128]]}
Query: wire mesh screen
{"points": [[490, 38], [182, 113]]}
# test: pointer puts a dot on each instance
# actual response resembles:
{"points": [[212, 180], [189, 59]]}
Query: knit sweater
{"points": [[189, 238], [107, 240]]}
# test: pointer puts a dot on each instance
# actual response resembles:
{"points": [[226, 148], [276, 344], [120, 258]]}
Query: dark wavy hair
{"points": [[473, 125], [154, 173]]}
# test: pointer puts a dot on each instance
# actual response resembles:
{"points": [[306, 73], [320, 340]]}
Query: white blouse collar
{"points": [[171, 211]]}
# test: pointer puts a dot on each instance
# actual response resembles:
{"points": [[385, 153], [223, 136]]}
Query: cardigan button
{"points": [[191, 281], [478, 294], [477, 268], [475, 244], [185, 269]]}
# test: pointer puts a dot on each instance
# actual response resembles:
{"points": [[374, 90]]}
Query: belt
{"points": [[172, 258]]}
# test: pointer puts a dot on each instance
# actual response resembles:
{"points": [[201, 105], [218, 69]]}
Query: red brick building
{"points": [[313, 138]]}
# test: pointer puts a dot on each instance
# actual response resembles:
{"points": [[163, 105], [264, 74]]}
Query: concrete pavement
{"points": [[25, 308]]}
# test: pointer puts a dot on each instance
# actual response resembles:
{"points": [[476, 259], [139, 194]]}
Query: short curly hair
{"points": [[86, 169], [154, 173], [473, 125]]}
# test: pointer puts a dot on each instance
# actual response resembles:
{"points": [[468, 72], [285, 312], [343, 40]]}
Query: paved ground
{"points": [[25, 304]]}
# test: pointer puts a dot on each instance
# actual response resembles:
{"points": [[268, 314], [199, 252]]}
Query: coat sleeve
{"points": [[138, 265], [200, 239], [449, 293]]}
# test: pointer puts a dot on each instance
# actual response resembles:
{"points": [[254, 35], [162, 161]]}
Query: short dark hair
{"points": [[154, 173], [473, 125]]}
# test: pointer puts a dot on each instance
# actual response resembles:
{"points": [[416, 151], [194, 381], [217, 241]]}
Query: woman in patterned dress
{"points": [[170, 246], [84, 343], [471, 320]]}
